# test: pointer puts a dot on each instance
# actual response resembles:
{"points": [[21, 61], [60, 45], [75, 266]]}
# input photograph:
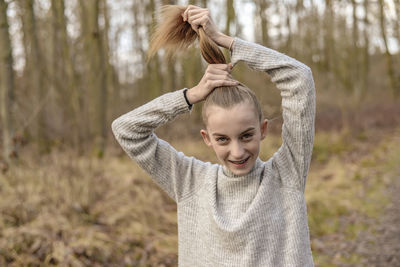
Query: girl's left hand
{"points": [[200, 17], [216, 75]]}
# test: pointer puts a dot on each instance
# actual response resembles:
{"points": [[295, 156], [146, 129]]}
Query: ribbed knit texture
{"points": [[259, 219]]}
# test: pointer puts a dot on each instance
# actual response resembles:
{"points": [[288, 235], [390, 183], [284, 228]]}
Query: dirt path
{"points": [[372, 240], [381, 246], [378, 245]]}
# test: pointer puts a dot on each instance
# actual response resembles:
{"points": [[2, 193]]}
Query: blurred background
{"points": [[70, 196]]}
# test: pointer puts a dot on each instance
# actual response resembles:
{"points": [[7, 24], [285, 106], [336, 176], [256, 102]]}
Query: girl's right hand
{"points": [[200, 17], [216, 75]]}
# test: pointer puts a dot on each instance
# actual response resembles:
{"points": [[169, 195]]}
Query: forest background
{"points": [[69, 194]]}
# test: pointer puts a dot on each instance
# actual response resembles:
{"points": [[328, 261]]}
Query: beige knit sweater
{"points": [[259, 219]]}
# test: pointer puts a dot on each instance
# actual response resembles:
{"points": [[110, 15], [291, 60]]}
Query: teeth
{"points": [[240, 162]]}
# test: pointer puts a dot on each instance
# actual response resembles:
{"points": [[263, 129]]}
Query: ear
{"points": [[264, 129], [206, 137]]}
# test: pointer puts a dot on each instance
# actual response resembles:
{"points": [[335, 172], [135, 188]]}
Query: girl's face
{"points": [[235, 135]]}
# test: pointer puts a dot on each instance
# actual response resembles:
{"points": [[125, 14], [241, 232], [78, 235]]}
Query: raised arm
{"points": [[292, 78], [170, 169], [296, 84]]}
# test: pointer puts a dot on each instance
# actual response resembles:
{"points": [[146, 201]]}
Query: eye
{"points": [[221, 139], [247, 136]]}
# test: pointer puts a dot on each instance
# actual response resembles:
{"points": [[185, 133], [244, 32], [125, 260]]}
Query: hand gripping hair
{"points": [[173, 34]]}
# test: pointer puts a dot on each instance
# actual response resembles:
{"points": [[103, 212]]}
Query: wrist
{"points": [[224, 41], [186, 99], [191, 96]]}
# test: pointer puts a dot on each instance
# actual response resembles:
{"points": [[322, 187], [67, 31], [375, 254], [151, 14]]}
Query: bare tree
{"points": [[112, 78], [153, 72], [329, 53], [397, 22], [35, 66], [365, 54], [63, 74], [355, 62], [397, 33], [6, 84], [169, 77], [389, 60], [230, 16], [96, 72], [262, 29]]}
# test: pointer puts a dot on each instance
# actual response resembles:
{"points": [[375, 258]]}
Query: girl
{"points": [[244, 212]]}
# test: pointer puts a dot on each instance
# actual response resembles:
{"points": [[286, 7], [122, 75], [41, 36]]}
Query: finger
{"points": [[200, 21], [230, 67], [190, 8], [193, 12], [194, 17], [215, 77], [186, 13], [220, 83], [218, 66], [222, 75], [218, 71]]}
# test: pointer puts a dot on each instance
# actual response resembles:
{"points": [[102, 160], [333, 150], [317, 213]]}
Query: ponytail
{"points": [[173, 34]]}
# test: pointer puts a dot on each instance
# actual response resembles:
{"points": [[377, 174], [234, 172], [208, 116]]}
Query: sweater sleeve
{"points": [[296, 85], [170, 169]]}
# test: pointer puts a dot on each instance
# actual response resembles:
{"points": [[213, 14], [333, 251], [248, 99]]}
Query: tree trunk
{"points": [[389, 60], [262, 30], [397, 23], [329, 36], [35, 65], [140, 63], [69, 90], [113, 83], [397, 34], [170, 83], [230, 16], [154, 75], [97, 83], [6, 85], [357, 90], [288, 43], [365, 57]]}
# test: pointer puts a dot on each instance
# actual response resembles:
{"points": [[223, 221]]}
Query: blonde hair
{"points": [[229, 96], [173, 34]]}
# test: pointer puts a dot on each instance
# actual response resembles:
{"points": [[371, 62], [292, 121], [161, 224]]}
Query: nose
{"points": [[237, 150]]}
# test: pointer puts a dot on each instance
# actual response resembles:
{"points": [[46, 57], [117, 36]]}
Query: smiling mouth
{"points": [[239, 162]]}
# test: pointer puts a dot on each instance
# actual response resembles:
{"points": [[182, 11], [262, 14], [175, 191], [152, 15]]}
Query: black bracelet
{"points": [[187, 101]]}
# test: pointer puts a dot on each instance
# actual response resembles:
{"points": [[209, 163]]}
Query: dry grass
{"points": [[61, 209], [65, 209], [347, 190]]}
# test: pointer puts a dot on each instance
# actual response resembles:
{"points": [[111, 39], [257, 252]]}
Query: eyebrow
{"points": [[247, 130]]}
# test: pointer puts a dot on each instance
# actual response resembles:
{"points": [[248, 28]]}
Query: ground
{"points": [[367, 233], [106, 212]]}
